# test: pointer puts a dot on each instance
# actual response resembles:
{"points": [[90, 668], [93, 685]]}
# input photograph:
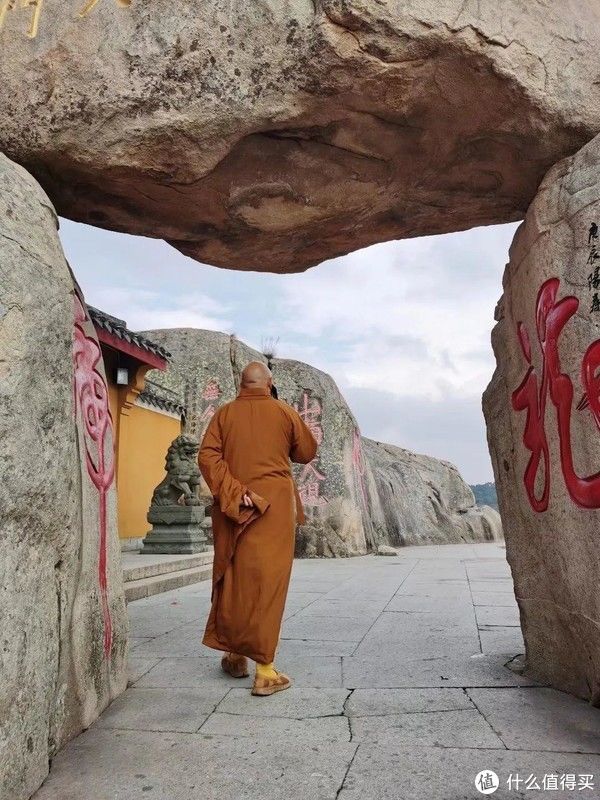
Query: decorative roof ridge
{"points": [[156, 387], [154, 399], [118, 327]]}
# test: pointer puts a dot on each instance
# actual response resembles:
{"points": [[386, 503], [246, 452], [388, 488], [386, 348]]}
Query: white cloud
{"points": [[412, 317], [143, 309], [452, 429]]}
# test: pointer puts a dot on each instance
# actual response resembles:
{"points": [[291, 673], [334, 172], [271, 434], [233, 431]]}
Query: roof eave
{"points": [[139, 353]]}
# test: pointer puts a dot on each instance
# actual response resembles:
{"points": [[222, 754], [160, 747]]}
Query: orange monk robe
{"points": [[247, 448]]}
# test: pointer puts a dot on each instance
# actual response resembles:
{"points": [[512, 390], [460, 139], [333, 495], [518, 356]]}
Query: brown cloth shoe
{"points": [[263, 687], [234, 665]]}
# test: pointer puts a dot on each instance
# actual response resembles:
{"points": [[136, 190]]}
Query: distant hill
{"points": [[485, 494]]}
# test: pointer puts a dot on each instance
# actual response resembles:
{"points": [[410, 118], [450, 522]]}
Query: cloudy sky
{"points": [[403, 327]]}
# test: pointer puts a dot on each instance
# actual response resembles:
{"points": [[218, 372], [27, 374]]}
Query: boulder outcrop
{"points": [[357, 494], [333, 487], [271, 135], [63, 615], [543, 415], [421, 500]]}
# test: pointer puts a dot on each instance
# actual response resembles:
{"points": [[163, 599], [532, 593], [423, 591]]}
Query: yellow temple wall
{"points": [[144, 438]]}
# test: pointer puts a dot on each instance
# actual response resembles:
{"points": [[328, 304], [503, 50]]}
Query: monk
{"points": [[245, 460]]}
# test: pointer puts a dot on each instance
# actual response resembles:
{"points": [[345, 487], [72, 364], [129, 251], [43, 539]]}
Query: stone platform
{"points": [[400, 693], [147, 574]]}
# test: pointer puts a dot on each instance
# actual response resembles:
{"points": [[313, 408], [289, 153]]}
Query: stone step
{"points": [[156, 584], [145, 565]]}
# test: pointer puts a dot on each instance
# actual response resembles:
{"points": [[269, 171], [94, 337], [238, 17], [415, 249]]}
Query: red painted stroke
{"points": [[91, 403], [591, 381], [552, 316]]}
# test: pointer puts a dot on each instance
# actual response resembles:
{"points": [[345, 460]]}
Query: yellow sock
{"points": [[266, 670]]}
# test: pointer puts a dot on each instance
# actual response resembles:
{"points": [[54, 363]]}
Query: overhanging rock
{"points": [[274, 135]]}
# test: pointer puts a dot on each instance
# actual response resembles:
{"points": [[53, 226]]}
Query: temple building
{"points": [[146, 404]]}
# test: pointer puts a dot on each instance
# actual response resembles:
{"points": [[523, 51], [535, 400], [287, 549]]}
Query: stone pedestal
{"points": [[177, 530]]}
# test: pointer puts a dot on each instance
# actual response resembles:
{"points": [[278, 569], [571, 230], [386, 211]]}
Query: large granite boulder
{"points": [[543, 414], [61, 595], [201, 365], [357, 494], [417, 499], [271, 135], [210, 365], [333, 487]]}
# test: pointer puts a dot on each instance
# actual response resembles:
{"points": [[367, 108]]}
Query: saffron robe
{"points": [[247, 448]]}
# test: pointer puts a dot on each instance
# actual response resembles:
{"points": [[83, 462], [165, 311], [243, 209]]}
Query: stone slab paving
{"points": [[401, 692]]}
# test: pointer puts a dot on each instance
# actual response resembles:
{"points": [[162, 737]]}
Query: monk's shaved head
{"points": [[256, 375]]}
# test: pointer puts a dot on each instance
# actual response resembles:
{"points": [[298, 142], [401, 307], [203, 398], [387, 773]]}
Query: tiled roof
{"points": [[162, 397], [118, 328]]}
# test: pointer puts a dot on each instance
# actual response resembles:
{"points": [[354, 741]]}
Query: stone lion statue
{"points": [[181, 484]]}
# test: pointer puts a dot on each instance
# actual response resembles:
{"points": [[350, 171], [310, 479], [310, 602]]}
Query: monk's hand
{"points": [[247, 500]]}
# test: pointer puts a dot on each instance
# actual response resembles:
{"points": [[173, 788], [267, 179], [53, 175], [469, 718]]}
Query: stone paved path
{"points": [[400, 693]]}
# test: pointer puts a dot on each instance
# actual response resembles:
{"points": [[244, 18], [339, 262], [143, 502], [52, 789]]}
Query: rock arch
{"points": [[272, 136]]}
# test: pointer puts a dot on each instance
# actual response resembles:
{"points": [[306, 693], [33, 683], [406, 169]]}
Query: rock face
{"points": [[273, 135], [334, 486], [61, 596], [543, 414], [205, 365], [419, 499], [357, 494]]}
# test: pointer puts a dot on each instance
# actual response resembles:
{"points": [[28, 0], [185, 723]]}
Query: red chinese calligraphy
{"points": [[208, 414], [311, 414], [92, 408], [212, 391], [531, 395], [310, 480], [309, 486]]}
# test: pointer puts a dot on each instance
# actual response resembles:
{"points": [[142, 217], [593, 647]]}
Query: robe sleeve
{"points": [[304, 444], [226, 489]]}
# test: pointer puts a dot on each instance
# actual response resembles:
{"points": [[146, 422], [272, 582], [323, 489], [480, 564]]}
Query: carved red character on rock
{"points": [[552, 315], [92, 407]]}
